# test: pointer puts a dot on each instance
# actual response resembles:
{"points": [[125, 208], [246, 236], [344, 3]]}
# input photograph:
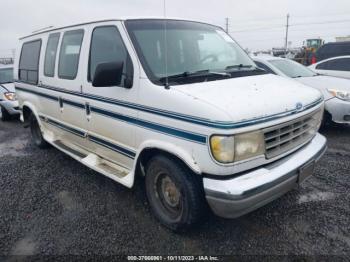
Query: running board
{"points": [[93, 161]]}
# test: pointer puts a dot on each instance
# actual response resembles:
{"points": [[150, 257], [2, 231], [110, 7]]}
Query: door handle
{"points": [[60, 102], [88, 111]]}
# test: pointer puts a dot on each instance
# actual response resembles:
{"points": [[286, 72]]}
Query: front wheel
{"points": [[37, 135], [174, 193]]}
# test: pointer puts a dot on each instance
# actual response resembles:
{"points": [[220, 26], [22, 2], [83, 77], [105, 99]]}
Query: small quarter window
{"points": [[265, 67], [69, 54], [340, 64], [29, 62], [322, 66], [107, 46], [50, 54]]}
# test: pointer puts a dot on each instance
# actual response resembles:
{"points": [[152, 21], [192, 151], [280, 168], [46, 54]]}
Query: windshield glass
{"points": [[185, 47], [6, 75], [313, 42], [292, 69]]}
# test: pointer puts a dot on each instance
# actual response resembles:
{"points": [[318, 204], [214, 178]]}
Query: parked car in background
{"points": [[333, 49], [336, 91], [8, 102], [336, 66], [186, 108]]}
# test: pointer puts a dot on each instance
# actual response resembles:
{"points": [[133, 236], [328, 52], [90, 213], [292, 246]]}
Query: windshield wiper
{"points": [[240, 66], [198, 73]]}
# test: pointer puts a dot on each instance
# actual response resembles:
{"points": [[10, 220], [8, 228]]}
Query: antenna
{"points": [[286, 43], [165, 46]]}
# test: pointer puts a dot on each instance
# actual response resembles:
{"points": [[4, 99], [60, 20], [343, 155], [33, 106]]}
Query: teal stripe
{"points": [[186, 118], [155, 127], [145, 124], [54, 98], [72, 103], [114, 147], [102, 142], [65, 127]]}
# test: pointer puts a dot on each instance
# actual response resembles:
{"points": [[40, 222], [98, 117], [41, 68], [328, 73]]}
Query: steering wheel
{"points": [[213, 57]]}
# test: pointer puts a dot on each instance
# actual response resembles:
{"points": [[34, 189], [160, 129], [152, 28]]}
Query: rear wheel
{"points": [[37, 135], [5, 116], [174, 193]]}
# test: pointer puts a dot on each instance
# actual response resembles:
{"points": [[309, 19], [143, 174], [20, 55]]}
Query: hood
{"points": [[251, 97], [323, 83], [10, 87]]}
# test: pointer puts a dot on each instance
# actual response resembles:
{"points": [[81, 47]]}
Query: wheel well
{"points": [[327, 116], [26, 113], [148, 153], [327, 119]]}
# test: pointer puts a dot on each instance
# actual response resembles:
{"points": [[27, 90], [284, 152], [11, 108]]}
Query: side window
{"points": [[341, 64], [50, 54], [108, 46], [69, 54], [265, 67], [322, 66], [29, 62]]}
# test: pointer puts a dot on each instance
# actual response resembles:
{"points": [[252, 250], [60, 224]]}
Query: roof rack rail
{"points": [[42, 29]]}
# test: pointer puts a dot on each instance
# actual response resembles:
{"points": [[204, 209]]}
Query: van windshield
{"points": [[6, 75], [180, 51]]}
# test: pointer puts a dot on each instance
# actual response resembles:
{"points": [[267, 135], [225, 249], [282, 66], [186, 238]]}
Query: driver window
{"points": [[108, 46]]}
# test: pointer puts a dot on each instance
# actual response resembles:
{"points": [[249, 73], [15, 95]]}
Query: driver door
{"points": [[109, 118]]}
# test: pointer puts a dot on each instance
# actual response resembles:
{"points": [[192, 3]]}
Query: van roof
{"points": [[338, 43], [49, 29]]}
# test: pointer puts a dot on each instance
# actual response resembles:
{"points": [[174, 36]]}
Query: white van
{"points": [[178, 102]]}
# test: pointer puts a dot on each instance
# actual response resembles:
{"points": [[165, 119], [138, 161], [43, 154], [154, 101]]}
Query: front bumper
{"points": [[10, 106], [339, 109], [237, 196]]}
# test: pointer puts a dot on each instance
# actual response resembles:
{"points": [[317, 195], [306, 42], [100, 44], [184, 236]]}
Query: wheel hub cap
{"points": [[170, 192]]}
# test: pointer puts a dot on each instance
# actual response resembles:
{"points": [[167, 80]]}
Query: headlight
{"points": [[222, 148], [10, 96], [249, 145], [228, 149], [343, 95]]}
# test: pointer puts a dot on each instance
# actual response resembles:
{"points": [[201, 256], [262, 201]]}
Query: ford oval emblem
{"points": [[299, 106]]}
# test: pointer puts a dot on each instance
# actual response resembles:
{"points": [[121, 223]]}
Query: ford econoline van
{"points": [[175, 103]]}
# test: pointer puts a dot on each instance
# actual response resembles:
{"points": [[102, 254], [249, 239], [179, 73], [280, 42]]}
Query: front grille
{"points": [[282, 138]]}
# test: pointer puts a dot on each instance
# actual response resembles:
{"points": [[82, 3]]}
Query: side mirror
{"points": [[108, 74]]}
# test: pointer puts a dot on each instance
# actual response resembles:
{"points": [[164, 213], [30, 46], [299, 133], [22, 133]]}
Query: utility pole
{"points": [[286, 43], [226, 24]]}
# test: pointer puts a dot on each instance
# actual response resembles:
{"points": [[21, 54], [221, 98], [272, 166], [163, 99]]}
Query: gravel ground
{"points": [[50, 204]]}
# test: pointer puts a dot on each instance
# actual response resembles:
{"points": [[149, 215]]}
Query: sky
{"points": [[255, 24]]}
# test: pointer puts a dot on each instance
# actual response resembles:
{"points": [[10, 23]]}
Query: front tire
{"points": [[5, 116], [174, 193], [37, 135]]}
